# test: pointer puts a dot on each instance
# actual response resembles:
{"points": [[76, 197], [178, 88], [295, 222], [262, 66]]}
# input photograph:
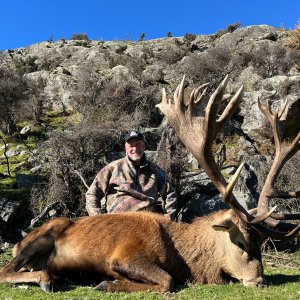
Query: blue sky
{"points": [[25, 22]]}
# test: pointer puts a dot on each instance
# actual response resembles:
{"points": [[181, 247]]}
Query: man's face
{"points": [[135, 149]]}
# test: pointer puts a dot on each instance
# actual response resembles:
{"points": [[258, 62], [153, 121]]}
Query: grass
{"points": [[283, 284], [59, 120]]}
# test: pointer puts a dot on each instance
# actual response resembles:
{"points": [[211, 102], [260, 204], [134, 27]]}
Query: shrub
{"points": [[80, 37], [230, 28], [172, 55], [271, 59], [293, 38], [66, 155], [233, 27], [25, 65], [189, 37], [13, 93], [50, 62], [209, 66], [127, 99]]}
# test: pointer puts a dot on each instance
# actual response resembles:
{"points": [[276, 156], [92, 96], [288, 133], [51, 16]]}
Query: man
{"points": [[132, 183]]}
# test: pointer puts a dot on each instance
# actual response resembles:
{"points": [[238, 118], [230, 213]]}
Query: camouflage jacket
{"points": [[119, 187]]}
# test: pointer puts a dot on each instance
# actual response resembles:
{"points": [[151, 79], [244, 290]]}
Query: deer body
{"points": [[139, 251]]}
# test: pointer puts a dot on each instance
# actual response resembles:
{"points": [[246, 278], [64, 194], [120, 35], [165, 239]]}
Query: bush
{"points": [[13, 93], [80, 37], [271, 59], [126, 98], [66, 155], [172, 55], [293, 39], [230, 28], [25, 65], [189, 37], [209, 66]]}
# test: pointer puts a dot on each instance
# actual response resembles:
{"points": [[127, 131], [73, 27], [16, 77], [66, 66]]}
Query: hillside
{"points": [[66, 105]]}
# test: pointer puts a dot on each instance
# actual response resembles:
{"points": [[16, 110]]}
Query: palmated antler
{"points": [[197, 125]]}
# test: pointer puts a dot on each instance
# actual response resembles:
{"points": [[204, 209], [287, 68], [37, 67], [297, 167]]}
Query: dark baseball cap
{"points": [[134, 134]]}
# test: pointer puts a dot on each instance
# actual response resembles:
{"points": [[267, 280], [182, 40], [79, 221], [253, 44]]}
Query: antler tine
{"points": [[272, 118], [283, 109], [196, 96], [276, 234], [213, 103], [228, 111], [236, 206], [283, 216], [164, 96], [202, 88], [179, 95], [294, 233]]}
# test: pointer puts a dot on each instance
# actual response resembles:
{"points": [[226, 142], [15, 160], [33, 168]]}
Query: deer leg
{"points": [[40, 277], [13, 273], [139, 275]]}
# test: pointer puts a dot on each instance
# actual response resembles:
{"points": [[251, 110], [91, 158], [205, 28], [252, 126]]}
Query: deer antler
{"points": [[283, 152], [197, 125], [191, 123]]}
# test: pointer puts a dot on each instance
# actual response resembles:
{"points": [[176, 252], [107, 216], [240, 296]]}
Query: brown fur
{"points": [[139, 251]]}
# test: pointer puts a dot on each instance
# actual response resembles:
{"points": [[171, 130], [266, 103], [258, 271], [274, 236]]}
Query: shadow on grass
{"points": [[279, 279]]}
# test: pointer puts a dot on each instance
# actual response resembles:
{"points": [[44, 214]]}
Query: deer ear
{"points": [[223, 227], [224, 222]]}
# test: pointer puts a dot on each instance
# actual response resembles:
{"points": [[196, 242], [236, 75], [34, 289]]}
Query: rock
{"points": [[25, 130], [14, 151], [8, 209], [35, 169], [5, 246]]}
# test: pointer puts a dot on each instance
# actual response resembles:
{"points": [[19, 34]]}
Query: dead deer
{"points": [[145, 251]]}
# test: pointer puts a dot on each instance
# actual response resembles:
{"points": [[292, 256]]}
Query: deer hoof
{"points": [[102, 286], [46, 287]]}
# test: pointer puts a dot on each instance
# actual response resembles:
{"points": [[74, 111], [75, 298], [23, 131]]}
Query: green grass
{"points": [[283, 284], [59, 120]]}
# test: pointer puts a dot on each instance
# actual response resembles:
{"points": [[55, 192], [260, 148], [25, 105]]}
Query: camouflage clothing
{"points": [[119, 186]]}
